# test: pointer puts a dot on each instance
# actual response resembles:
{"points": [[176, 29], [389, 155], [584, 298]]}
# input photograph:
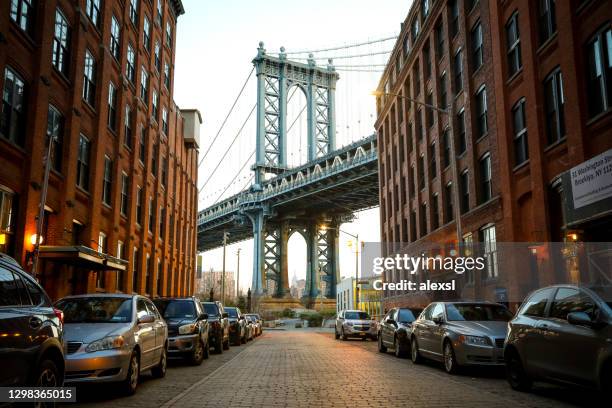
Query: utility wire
{"points": [[226, 117], [341, 47], [228, 149]]}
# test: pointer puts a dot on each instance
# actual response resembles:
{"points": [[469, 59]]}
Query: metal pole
{"points": [[223, 272], [41, 206], [357, 271], [238, 274]]}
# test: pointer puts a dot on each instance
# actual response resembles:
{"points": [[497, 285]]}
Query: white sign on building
{"points": [[592, 180]]}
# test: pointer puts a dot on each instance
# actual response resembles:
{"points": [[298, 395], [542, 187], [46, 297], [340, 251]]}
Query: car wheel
{"points": [[400, 349], [131, 381], [415, 355], [343, 335], [197, 356], [159, 371], [336, 335], [48, 375], [450, 361], [381, 346], [515, 373], [226, 344]]}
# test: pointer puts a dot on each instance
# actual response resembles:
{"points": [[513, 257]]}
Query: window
{"points": [[159, 277], [481, 112], [513, 43], [406, 46], [22, 13], [425, 8], [164, 171], [11, 289], [125, 187], [139, 205], [427, 58], [82, 178], [521, 150], [155, 105], [128, 126], [421, 170], [92, 9], [154, 155], [55, 133], [547, 19], [162, 222], [167, 75], [61, 50], [416, 78], [467, 246], [171, 226], [148, 274], [102, 243], [486, 189], [168, 34], [447, 147], [477, 49], [433, 165], [135, 267], [8, 202], [487, 237], [448, 203], [146, 33], [160, 12], [115, 40], [112, 106], [553, 107], [435, 214], [415, 28], [144, 85], [429, 111], [165, 121], [439, 40], [458, 71], [151, 215], [141, 145], [454, 24], [119, 274], [571, 300], [157, 53], [134, 12], [536, 304], [419, 123], [443, 95], [107, 181], [411, 181], [12, 122], [465, 191], [130, 67], [462, 145], [89, 79], [599, 66], [423, 220]]}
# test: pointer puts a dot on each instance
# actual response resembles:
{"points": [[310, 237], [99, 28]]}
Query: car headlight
{"points": [[187, 328], [107, 343], [474, 340], [349, 323]]}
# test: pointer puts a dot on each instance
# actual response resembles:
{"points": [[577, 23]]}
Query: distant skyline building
{"points": [[213, 279]]}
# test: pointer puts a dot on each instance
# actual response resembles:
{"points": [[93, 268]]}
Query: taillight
{"points": [[59, 314]]}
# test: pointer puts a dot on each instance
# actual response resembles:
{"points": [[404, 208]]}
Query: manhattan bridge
{"points": [[282, 197]]}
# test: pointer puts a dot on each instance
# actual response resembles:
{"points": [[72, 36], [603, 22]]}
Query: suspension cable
{"points": [[226, 117], [341, 47], [346, 56]]}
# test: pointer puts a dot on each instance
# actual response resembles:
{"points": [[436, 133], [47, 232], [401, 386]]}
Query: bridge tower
{"points": [[275, 77]]}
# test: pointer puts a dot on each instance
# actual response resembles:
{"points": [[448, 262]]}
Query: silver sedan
{"points": [[355, 323], [460, 334], [113, 338]]}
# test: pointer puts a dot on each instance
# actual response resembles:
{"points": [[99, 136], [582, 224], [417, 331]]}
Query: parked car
{"points": [[460, 334], [238, 329], [355, 323], [253, 318], [395, 330], [187, 328], [113, 338], [562, 333], [31, 345], [218, 326]]}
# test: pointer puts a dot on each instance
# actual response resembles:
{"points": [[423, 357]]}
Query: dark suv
{"points": [[187, 328], [31, 348], [218, 326], [237, 323], [562, 333]]}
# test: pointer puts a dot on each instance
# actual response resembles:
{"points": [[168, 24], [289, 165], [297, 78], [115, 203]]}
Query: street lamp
{"points": [[450, 112], [238, 273], [225, 235]]}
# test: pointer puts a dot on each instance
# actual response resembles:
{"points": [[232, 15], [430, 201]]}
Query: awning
{"points": [[82, 256]]}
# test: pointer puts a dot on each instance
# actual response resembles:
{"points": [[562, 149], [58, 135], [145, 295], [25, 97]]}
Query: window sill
{"points": [[91, 109], [520, 166], [482, 137], [598, 117], [480, 68], [107, 206], [512, 78], [547, 44], [555, 144], [82, 191]]}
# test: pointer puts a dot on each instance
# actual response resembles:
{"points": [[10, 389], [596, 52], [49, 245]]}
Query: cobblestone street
{"points": [[311, 369]]}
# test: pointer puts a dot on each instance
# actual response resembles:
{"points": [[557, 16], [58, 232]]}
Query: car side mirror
{"points": [[225, 315], [438, 319], [146, 319], [203, 316], [579, 319], [391, 321]]}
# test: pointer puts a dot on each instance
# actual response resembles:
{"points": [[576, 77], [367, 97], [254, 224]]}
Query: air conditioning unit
{"points": [[191, 127]]}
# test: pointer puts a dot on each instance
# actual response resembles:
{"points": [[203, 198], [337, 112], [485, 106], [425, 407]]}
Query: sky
{"points": [[216, 42]]}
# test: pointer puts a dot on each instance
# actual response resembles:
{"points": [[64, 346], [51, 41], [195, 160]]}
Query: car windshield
{"points": [[176, 309], [477, 313], [211, 309], [356, 316], [231, 312], [406, 316], [96, 310]]}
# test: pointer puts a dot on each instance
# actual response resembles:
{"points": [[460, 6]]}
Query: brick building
{"points": [[96, 77], [530, 102]]}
